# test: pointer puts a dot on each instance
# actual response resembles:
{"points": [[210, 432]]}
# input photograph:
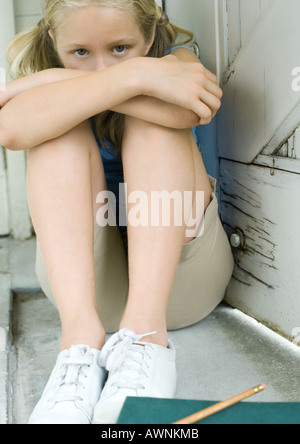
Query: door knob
{"points": [[237, 239]]}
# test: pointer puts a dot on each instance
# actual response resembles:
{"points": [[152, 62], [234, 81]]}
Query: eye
{"points": [[120, 49], [81, 52]]}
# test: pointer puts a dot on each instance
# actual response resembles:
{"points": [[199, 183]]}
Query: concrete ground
{"points": [[225, 354]]}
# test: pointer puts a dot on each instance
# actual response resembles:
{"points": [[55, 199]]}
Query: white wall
{"points": [[199, 17], [15, 16], [27, 13], [6, 33]]}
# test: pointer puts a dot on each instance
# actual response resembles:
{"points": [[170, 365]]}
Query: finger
{"points": [[210, 100], [212, 77], [211, 82], [214, 89], [203, 111]]}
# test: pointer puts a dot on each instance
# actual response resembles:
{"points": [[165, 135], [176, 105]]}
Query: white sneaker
{"points": [[136, 369], [73, 389]]}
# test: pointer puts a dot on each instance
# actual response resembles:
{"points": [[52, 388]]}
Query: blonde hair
{"points": [[34, 50]]}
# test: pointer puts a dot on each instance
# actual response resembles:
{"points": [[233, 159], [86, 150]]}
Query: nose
{"points": [[101, 64]]}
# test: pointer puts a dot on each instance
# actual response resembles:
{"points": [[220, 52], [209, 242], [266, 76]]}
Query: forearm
{"points": [[45, 112], [165, 91], [15, 87], [159, 112], [145, 108]]}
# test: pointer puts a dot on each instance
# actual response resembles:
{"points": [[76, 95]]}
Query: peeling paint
{"points": [[266, 273]]}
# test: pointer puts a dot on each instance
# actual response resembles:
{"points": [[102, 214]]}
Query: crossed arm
{"points": [[176, 92]]}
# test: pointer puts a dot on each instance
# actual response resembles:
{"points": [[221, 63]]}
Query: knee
{"points": [[137, 128], [67, 145], [133, 123], [147, 133]]}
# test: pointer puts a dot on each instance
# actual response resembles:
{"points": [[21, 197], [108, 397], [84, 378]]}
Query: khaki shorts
{"points": [[203, 274]]}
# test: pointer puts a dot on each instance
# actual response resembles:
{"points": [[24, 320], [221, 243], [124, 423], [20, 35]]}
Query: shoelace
{"points": [[72, 375], [124, 352]]}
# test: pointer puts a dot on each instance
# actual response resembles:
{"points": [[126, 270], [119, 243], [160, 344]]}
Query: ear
{"points": [[51, 35]]}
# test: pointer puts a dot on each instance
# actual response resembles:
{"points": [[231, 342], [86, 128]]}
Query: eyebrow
{"points": [[120, 41], [76, 45]]}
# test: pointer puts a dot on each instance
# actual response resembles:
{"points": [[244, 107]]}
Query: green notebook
{"points": [[167, 411]]}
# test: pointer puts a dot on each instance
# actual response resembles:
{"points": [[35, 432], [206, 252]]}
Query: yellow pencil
{"points": [[197, 417]]}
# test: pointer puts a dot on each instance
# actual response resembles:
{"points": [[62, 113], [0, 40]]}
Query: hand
{"points": [[189, 85]]}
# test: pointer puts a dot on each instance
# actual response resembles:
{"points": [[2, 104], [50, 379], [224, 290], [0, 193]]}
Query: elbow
{"points": [[9, 141], [12, 139], [6, 139], [185, 119], [191, 120]]}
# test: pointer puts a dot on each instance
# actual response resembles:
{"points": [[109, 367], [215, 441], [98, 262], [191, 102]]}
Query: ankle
{"points": [[160, 337], [82, 333], [82, 338]]}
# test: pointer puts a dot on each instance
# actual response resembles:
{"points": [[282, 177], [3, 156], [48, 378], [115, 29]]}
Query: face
{"points": [[95, 38]]}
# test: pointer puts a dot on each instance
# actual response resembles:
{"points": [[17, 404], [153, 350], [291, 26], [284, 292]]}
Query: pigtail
{"points": [[31, 51], [167, 35]]}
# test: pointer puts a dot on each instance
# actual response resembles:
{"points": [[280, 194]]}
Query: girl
{"points": [[100, 101]]}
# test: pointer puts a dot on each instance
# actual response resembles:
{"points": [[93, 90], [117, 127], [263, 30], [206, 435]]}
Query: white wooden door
{"points": [[259, 147], [253, 45], [264, 50]]}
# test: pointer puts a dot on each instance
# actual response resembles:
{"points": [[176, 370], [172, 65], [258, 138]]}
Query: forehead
{"points": [[101, 23]]}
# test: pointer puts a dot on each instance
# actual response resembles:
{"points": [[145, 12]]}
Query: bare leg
{"points": [[156, 159], [64, 177]]}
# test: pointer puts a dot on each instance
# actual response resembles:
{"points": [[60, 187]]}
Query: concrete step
{"points": [[225, 354]]}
